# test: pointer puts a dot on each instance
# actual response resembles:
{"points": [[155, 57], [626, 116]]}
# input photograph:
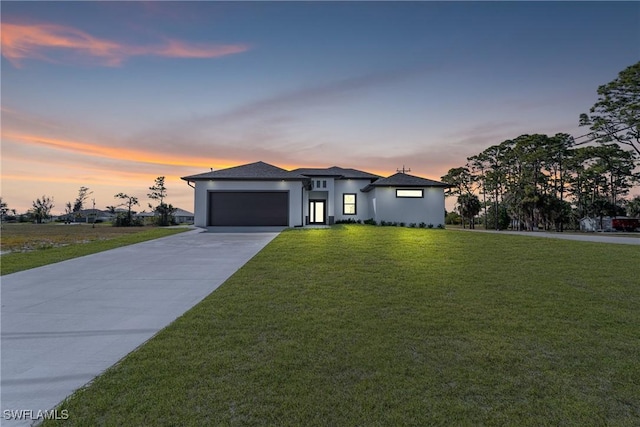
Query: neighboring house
{"points": [[180, 216], [260, 194], [183, 217], [147, 218], [88, 216]]}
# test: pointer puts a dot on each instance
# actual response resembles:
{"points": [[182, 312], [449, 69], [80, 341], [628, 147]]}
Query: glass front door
{"points": [[317, 212]]}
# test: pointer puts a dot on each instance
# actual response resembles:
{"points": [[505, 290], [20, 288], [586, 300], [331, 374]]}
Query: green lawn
{"points": [[35, 245], [384, 326]]}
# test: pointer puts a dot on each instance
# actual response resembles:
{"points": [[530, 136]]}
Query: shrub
{"points": [[422, 225], [124, 220], [441, 226], [348, 221], [402, 224], [430, 226], [370, 221], [453, 218], [412, 225]]}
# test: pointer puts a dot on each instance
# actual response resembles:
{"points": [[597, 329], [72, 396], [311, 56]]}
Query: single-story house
{"points": [[179, 215], [183, 217], [262, 195]]}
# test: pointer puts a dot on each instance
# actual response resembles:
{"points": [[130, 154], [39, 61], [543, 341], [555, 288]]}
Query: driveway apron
{"points": [[63, 324]]}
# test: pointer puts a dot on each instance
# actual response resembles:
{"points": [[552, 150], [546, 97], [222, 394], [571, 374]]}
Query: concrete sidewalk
{"points": [[585, 237], [65, 323]]}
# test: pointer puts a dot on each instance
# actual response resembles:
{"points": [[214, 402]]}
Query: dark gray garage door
{"points": [[249, 208]]}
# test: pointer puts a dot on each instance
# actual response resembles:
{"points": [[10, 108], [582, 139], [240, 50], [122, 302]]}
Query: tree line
{"points": [[42, 207], [551, 181]]}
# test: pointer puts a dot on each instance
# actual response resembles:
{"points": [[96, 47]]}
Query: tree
{"points": [[633, 207], [557, 165], [158, 193], [42, 208], [602, 207], [68, 212], [501, 220], [469, 206], [83, 194], [615, 117], [460, 179], [129, 202], [4, 208]]}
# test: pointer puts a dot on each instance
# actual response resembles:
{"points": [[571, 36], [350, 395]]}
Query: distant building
{"points": [[180, 215], [607, 223], [183, 217]]}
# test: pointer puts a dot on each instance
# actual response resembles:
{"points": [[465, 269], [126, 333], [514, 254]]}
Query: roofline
{"points": [[338, 176], [326, 172], [195, 178], [373, 185]]}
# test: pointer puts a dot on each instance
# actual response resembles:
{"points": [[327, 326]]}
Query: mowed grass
{"points": [[373, 326], [35, 245]]}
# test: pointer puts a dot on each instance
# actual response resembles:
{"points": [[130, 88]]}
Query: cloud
{"points": [[270, 121], [331, 91], [95, 150], [50, 42]]}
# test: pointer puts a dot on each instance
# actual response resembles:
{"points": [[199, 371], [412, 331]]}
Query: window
{"points": [[349, 204], [324, 184], [409, 193], [318, 184]]}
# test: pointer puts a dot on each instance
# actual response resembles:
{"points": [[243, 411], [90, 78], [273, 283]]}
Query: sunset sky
{"points": [[110, 95]]}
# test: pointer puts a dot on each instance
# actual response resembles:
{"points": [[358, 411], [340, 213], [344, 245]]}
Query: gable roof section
{"points": [[404, 180], [253, 171], [335, 171]]}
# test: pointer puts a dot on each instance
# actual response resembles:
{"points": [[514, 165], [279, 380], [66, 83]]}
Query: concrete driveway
{"points": [[65, 323]]}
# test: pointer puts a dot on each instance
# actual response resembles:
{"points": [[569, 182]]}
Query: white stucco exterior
{"points": [[202, 188], [352, 186], [312, 196], [429, 209]]}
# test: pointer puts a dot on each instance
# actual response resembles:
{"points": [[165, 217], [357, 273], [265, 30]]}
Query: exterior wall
{"points": [[321, 193], [428, 209], [203, 187], [352, 186], [333, 195], [380, 203]]}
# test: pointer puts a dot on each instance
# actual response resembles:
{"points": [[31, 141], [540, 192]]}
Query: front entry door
{"points": [[317, 212]]}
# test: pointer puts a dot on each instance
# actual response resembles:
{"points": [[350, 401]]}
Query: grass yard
{"points": [[384, 326], [35, 245]]}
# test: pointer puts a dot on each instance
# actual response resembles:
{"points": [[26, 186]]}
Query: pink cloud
{"points": [[42, 41]]}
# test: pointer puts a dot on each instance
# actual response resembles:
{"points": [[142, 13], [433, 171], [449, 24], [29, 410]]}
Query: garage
{"points": [[248, 208]]}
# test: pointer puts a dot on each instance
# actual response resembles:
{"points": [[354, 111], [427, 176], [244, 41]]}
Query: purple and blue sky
{"points": [[110, 95]]}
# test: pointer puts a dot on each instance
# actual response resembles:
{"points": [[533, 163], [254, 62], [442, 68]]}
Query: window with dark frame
{"points": [[324, 184], [414, 193], [349, 204]]}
